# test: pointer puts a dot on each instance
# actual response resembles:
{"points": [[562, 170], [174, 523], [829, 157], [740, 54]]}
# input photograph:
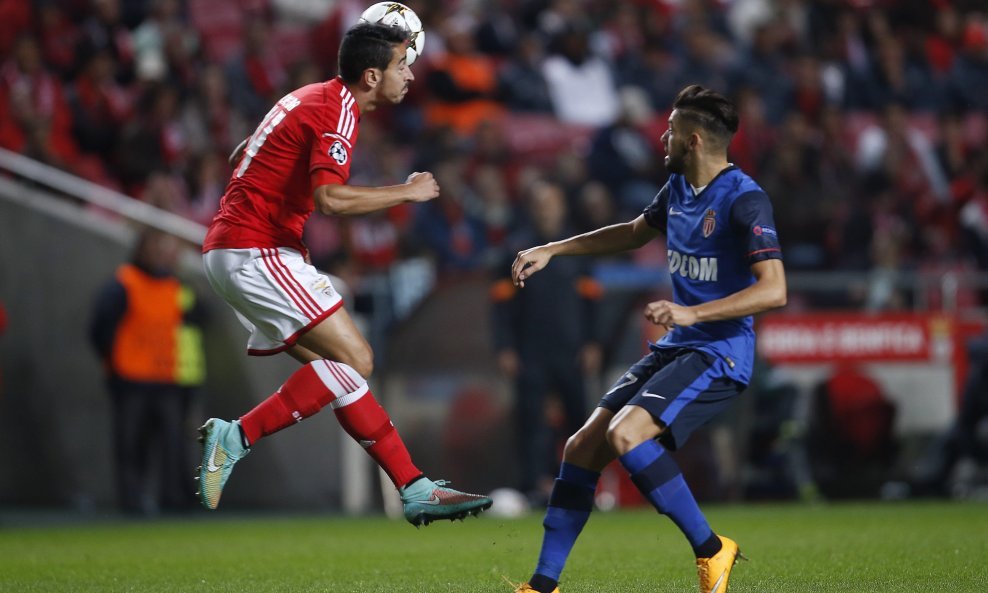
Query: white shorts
{"points": [[275, 293]]}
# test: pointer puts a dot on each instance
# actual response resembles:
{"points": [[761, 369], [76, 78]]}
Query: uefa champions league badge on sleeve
{"points": [[339, 153]]}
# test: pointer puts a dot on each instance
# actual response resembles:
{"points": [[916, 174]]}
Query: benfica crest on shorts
{"points": [[709, 223]]}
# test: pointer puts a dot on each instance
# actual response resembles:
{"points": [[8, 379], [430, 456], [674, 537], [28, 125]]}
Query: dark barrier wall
{"points": [[55, 440]]}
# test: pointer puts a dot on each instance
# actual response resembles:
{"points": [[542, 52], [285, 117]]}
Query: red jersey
{"points": [[304, 141]]}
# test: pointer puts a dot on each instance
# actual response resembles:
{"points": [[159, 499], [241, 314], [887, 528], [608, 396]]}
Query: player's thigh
{"points": [[337, 338], [630, 383], [302, 354], [687, 392], [588, 447]]}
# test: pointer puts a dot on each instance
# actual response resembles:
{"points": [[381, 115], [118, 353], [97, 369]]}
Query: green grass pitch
{"points": [[896, 547]]}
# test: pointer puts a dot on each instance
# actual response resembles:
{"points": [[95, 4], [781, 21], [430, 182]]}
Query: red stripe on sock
{"points": [[342, 377]]}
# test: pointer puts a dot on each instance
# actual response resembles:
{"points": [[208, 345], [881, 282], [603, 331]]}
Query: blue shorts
{"points": [[682, 389]]}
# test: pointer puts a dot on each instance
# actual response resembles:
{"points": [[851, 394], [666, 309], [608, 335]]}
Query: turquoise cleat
{"points": [[427, 501], [221, 449]]}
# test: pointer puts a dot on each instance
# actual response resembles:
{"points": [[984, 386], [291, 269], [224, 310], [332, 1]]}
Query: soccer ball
{"points": [[508, 503], [399, 15]]}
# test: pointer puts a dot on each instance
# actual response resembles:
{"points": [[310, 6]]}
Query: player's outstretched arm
{"points": [[609, 239], [768, 292], [349, 200]]}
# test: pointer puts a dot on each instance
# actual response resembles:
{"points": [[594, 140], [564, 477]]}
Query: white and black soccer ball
{"points": [[396, 14]]}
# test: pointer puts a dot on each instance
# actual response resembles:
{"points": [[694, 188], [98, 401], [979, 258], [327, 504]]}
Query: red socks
{"points": [[323, 382], [367, 422], [302, 395]]}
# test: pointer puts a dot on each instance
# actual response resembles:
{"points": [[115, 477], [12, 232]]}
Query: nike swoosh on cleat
{"points": [[655, 395], [716, 586], [211, 464], [433, 501]]}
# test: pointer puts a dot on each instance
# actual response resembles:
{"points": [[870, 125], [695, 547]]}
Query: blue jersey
{"points": [[713, 238]]}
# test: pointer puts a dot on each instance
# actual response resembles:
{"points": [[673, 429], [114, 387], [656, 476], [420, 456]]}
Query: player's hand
{"points": [[529, 262], [669, 314], [423, 186]]}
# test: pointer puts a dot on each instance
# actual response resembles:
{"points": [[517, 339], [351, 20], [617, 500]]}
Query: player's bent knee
{"points": [[621, 438], [363, 362], [582, 445]]}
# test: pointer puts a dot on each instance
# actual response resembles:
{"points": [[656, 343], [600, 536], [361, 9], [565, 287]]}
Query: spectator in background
{"points": [[791, 177], [546, 342], [654, 70], [162, 42], [968, 84], [954, 458], [59, 39], [581, 84], [495, 204], [764, 68], [16, 17], [896, 149], [208, 120], [896, 78], [462, 81], [103, 29], [623, 158], [35, 119], [707, 60], [206, 178], [755, 141], [974, 220], [850, 442], [489, 146], [452, 225], [256, 76], [523, 87], [954, 154], [100, 105], [145, 328], [153, 140], [943, 42], [594, 208]]}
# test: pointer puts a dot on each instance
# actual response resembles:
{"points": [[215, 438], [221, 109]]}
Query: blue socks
{"points": [[569, 508], [657, 476]]}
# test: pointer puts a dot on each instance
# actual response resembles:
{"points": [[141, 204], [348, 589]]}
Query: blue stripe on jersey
{"points": [[713, 238], [690, 393]]}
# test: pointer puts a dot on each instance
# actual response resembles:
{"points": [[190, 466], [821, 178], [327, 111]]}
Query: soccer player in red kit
{"points": [[298, 160]]}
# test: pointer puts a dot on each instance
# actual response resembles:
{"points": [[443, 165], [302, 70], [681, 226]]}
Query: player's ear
{"points": [[695, 141], [372, 77]]}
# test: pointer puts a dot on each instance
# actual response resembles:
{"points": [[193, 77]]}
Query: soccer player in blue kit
{"points": [[726, 265]]}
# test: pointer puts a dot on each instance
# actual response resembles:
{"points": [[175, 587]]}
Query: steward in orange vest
{"points": [[146, 331], [146, 328]]}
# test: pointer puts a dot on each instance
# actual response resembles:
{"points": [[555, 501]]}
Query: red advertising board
{"points": [[856, 338]]}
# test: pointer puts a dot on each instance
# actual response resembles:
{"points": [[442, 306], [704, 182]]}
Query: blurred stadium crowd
{"points": [[866, 121]]}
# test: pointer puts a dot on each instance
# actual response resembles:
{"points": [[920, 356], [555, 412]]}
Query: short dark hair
{"points": [[368, 45], [709, 110]]}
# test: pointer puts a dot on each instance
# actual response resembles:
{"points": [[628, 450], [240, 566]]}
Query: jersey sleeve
{"points": [[754, 225], [657, 213], [331, 150]]}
